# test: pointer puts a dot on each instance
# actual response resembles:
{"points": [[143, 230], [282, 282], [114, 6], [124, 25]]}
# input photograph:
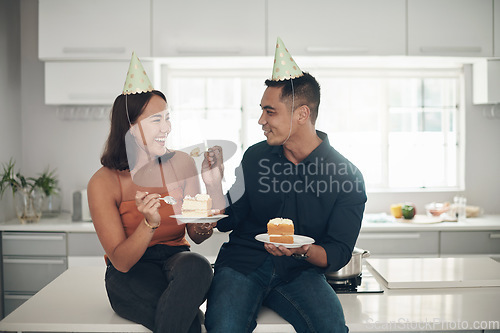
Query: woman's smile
{"points": [[161, 140]]}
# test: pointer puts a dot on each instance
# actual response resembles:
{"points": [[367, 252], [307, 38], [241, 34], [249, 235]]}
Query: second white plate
{"points": [[189, 219], [298, 241]]}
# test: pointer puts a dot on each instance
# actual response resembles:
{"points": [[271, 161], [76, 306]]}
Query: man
{"points": [[294, 174]]}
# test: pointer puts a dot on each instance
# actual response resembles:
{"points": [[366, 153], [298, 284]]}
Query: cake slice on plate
{"points": [[198, 206], [280, 230]]}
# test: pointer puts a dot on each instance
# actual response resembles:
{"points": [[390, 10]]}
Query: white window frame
{"points": [[167, 73]]}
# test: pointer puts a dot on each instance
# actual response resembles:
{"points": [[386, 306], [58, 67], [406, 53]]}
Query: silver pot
{"points": [[352, 268]]}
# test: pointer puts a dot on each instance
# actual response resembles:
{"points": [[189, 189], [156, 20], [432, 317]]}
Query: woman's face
{"points": [[152, 127]]}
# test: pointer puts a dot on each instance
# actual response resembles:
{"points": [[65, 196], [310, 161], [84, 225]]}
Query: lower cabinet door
{"points": [[30, 274], [400, 244], [470, 242], [13, 301]]}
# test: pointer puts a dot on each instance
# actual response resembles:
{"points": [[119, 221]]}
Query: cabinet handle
{"points": [[390, 236], [205, 52], [94, 50], [495, 236], [19, 297], [84, 96], [33, 237], [34, 261], [451, 49], [340, 50]]}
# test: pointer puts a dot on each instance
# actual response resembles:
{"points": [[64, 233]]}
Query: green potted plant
{"points": [[48, 182], [29, 193]]}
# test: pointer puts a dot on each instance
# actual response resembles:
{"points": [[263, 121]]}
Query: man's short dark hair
{"points": [[306, 90]]}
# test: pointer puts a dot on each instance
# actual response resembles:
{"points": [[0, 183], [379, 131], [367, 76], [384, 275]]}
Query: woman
{"points": [[152, 278]]}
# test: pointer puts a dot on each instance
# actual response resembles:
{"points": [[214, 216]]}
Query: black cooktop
{"points": [[363, 283]]}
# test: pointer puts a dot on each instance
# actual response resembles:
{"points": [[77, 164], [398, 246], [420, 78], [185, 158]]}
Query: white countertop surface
{"points": [[486, 222], [63, 223], [76, 301], [436, 272]]}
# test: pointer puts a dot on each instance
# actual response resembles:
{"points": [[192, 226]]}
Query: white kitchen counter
{"points": [[63, 223], [76, 301], [486, 222]]}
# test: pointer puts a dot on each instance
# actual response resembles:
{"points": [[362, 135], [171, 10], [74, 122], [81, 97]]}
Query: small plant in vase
{"points": [[48, 182], [29, 193]]}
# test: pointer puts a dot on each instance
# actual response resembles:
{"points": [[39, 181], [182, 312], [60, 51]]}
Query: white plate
{"points": [[189, 219], [298, 241]]}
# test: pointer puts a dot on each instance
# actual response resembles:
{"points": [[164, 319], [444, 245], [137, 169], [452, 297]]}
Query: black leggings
{"points": [[163, 295]]}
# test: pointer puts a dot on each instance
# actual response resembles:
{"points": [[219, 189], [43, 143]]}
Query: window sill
{"points": [[416, 190]]}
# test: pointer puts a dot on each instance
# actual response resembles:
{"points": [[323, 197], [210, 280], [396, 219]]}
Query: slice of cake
{"points": [[280, 230], [199, 206]]}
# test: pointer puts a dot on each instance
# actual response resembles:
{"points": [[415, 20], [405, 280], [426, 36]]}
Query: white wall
{"points": [[10, 96], [482, 158], [74, 147]]}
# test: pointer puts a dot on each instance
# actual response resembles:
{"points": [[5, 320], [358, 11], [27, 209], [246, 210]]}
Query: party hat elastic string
{"points": [[291, 118]]}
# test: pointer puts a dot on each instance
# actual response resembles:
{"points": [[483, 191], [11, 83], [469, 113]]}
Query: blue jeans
{"points": [[163, 291], [307, 302]]}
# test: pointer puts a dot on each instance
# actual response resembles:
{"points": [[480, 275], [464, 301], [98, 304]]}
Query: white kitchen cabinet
{"points": [[94, 29], [469, 242], [486, 81], [30, 260], [450, 28], [496, 27], [320, 27], [208, 28], [400, 244], [85, 249], [87, 82]]}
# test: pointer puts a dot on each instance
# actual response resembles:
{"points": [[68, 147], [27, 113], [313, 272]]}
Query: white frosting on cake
{"points": [[198, 197], [202, 197], [280, 220]]}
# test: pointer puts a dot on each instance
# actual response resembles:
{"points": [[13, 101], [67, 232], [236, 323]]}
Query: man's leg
{"points": [[234, 299], [308, 303]]}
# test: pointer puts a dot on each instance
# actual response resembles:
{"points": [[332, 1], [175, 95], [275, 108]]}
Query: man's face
{"points": [[275, 118]]}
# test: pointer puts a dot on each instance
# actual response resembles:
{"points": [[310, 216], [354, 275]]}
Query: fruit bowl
{"points": [[437, 208]]}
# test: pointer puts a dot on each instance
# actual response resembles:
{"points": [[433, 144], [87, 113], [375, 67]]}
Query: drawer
{"points": [[30, 274], [400, 243], [34, 244], [84, 244], [470, 242], [13, 301]]}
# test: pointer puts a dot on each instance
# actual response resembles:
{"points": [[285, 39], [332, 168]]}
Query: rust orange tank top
{"points": [[169, 233]]}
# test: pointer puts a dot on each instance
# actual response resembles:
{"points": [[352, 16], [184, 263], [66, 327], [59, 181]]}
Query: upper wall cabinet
{"points": [[485, 81], [98, 83], [338, 27], [496, 32], [208, 28], [450, 28], [94, 29]]}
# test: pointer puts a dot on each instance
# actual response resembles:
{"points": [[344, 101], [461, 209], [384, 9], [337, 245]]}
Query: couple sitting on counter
{"points": [[153, 279]]}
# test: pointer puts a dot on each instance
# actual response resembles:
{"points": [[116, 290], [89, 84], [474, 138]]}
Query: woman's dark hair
{"points": [[306, 90], [115, 153]]}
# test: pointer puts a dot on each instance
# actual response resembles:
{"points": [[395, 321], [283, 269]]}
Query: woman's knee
{"points": [[191, 265]]}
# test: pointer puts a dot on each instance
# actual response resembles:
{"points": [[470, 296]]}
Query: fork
{"points": [[169, 200]]}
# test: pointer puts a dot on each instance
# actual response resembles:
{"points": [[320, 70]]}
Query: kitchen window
{"points": [[401, 127]]}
